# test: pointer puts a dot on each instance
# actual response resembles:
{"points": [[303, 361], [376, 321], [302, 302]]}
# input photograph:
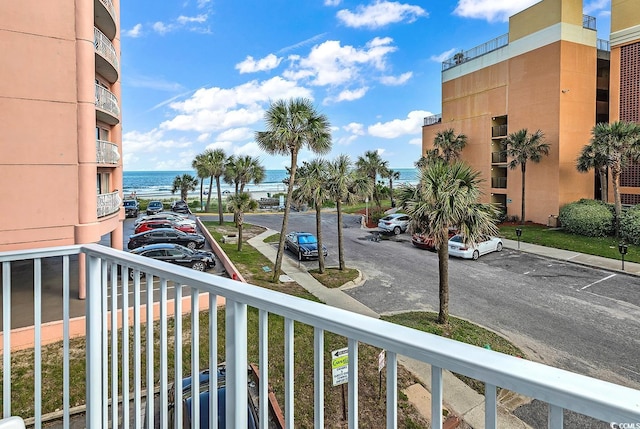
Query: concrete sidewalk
{"points": [[463, 401]]}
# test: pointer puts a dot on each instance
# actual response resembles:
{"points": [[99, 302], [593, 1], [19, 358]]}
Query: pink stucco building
{"points": [[60, 132]]}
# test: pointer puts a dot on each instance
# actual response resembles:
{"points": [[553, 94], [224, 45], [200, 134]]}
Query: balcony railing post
{"points": [[94, 343], [236, 357]]}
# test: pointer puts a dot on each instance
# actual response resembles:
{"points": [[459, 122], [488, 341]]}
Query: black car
{"points": [[166, 235], [176, 254], [303, 244], [131, 208], [180, 207], [154, 207]]}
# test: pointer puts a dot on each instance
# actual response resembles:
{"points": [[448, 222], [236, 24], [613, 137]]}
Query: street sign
{"points": [[340, 366]]}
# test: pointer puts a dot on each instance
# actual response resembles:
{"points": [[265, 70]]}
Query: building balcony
{"points": [[499, 131], [107, 108], [107, 64], [433, 119], [464, 56], [107, 153], [105, 17], [499, 157], [499, 182], [116, 371], [108, 203]]}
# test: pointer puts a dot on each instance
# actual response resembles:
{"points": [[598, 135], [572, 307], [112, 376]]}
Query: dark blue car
{"points": [[303, 244]]}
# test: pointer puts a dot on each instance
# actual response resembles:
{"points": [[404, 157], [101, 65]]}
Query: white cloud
{"points": [[332, 64], [348, 95], [162, 28], [491, 10], [139, 146], [236, 134], [596, 5], [250, 65], [251, 148], [136, 31], [416, 141], [444, 56], [354, 128], [227, 147], [332, 2], [190, 19], [202, 3], [381, 150], [306, 42], [396, 80], [380, 13], [398, 127], [152, 82], [203, 137]]}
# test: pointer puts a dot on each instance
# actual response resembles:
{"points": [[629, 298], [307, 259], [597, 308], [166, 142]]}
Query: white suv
{"points": [[396, 223]]}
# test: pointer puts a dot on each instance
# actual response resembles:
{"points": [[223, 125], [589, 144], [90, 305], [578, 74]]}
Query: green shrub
{"points": [[588, 217], [630, 225]]}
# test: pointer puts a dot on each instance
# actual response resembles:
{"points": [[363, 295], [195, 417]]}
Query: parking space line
{"points": [[596, 282]]}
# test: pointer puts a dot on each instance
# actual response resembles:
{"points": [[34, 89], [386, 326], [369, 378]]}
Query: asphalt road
{"points": [[578, 318]]}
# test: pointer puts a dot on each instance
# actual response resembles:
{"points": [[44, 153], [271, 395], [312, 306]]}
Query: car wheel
{"points": [[397, 230], [499, 247], [191, 245], [475, 255], [198, 266]]}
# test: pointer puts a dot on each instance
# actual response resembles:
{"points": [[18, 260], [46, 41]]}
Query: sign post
{"points": [[340, 372]]}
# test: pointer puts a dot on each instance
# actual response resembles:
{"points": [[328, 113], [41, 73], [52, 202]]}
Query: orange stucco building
{"points": [[61, 138], [550, 72]]}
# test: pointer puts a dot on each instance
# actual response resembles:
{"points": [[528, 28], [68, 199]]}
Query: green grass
{"points": [[606, 247]]}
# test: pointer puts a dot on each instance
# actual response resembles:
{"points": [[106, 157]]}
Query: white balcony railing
{"points": [[108, 4], [113, 352], [108, 203], [107, 152], [105, 48], [107, 101]]}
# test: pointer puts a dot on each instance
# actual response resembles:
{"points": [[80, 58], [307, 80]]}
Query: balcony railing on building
{"points": [[107, 152], [109, 66], [108, 4], [498, 157], [589, 22], [485, 48], [110, 352], [499, 130], [603, 45], [433, 119], [499, 182], [107, 102], [108, 203]]}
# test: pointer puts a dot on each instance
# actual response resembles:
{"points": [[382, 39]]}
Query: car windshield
{"points": [[129, 203], [457, 238], [307, 239], [155, 204]]}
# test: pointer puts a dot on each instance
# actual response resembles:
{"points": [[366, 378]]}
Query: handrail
{"points": [[108, 203], [485, 48], [107, 152], [107, 101], [433, 119], [105, 48], [108, 4]]}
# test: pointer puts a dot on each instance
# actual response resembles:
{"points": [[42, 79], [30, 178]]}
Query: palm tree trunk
{"points": [[523, 167], [240, 222], [391, 191], [443, 283], [285, 217], [319, 234], [201, 187], [221, 218], [604, 185], [340, 238], [209, 194], [615, 179]]}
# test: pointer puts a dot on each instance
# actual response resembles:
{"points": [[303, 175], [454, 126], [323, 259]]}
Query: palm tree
{"points": [[215, 166], [447, 195], [372, 166], [392, 175], [619, 144], [345, 185], [238, 204], [311, 186], [184, 184], [593, 156], [447, 145], [198, 165], [248, 170], [231, 174], [292, 125], [523, 147]]}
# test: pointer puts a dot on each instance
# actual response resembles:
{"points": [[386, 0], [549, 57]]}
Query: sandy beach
{"points": [[164, 196]]}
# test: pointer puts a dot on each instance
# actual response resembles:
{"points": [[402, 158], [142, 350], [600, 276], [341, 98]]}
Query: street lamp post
{"points": [[518, 233], [622, 248], [366, 210]]}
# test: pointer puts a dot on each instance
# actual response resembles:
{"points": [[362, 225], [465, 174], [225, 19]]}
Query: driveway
{"points": [[578, 318]]}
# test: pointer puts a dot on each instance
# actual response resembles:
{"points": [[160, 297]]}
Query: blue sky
{"points": [[199, 74]]}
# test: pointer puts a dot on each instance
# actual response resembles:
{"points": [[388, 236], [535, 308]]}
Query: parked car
{"points": [[425, 241], [396, 223], [164, 223], [174, 217], [199, 260], [180, 207], [166, 235], [303, 244], [131, 208], [486, 244], [154, 207]]}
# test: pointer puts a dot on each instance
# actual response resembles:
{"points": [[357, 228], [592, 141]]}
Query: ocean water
{"points": [[153, 183]]}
